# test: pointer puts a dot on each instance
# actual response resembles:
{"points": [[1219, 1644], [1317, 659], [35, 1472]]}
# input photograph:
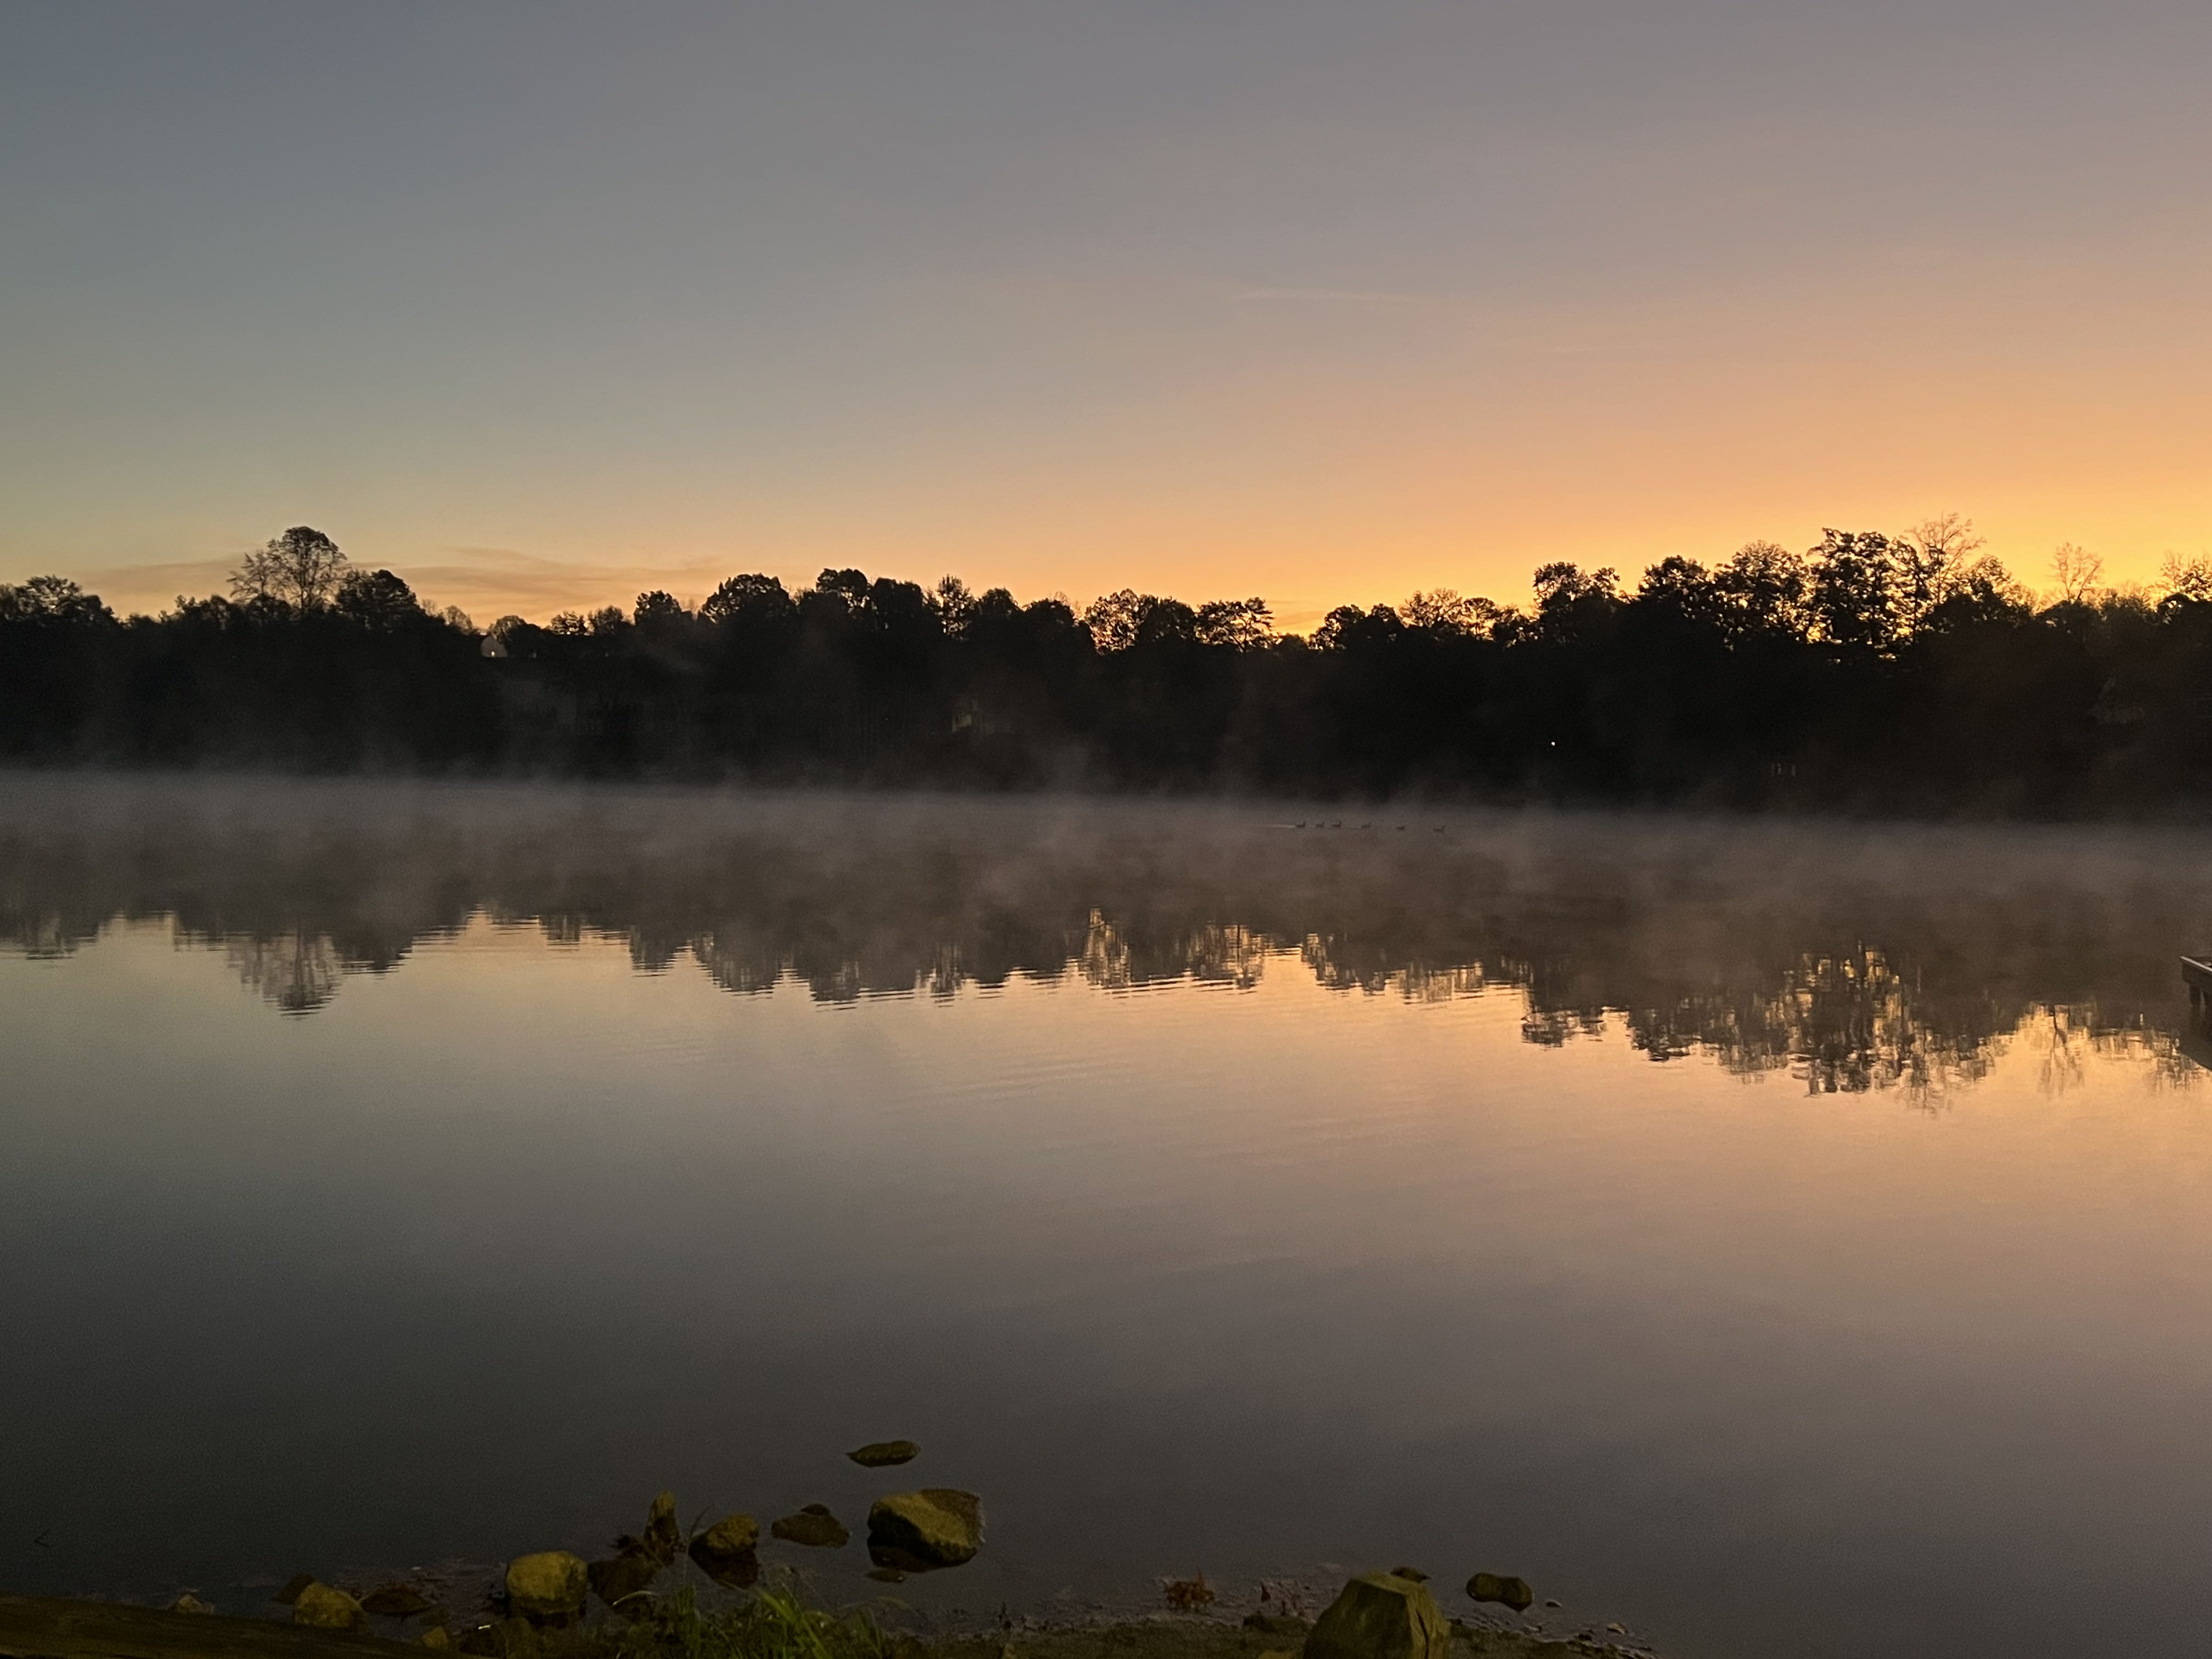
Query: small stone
{"points": [[436, 1637], [293, 1586], [395, 1601], [1414, 1573], [1618, 1629], [550, 1584], [884, 1454], [887, 1575], [189, 1602], [1501, 1587], [324, 1606], [1550, 1603], [664, 1538], [916, 1531], [1379, 1615], [727, 1551], [814, 1525]]}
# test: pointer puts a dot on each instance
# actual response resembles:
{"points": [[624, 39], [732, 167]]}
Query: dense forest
{"points": [[1871, 673]]}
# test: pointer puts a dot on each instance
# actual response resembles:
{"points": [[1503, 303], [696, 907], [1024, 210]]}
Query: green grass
{"points": [[775, 1621]]}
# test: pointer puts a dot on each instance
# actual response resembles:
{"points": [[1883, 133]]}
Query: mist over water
{"points": [[1779, 1237]]}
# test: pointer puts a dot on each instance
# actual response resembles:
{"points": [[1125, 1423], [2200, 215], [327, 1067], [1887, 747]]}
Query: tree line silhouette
{"points": [[1869, 671]]}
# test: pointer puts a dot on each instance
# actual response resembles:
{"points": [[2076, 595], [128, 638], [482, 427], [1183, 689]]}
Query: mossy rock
{"points": [[815, 1527], [550, 1584], [885, 1453], [396, 1601], [664, 1538], [326, 1606], [1501, 1588], [1379, 1615], [936, 1527], [728, 1551], [623, 1577]]}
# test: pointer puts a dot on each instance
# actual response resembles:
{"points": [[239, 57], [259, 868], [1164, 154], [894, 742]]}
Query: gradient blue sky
{"points": [[542, 304]]}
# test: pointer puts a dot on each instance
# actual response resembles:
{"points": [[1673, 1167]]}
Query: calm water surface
{"points": [[1781, 1240]]}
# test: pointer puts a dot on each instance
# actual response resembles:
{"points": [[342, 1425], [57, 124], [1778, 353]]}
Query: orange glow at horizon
{"points": [[1322, 306]]}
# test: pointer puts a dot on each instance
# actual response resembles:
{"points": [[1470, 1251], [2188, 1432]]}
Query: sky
{"points": [[542, 305]]}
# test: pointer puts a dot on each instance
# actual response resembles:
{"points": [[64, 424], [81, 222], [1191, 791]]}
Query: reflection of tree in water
{"points": [[1211, 953], [1840, 961], [2064, 1040], [741, 962], [297, 971], [1338, 965], [1844, 1023], [44, 936]]}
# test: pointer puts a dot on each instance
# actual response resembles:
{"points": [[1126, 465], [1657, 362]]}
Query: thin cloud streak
{"points": [[485, 581]]}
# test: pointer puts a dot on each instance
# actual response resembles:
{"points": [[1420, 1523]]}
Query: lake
{"points": [[1782, 1239]]}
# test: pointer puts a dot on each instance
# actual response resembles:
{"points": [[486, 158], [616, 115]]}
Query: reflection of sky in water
{"points": [[1186, 1258]]}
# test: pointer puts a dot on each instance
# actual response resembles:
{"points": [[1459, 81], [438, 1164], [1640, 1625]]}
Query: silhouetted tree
{"points": [[2075, 570], [302, 568], [51, 601], [1852, 601], [1239, 624], [376, 598]]}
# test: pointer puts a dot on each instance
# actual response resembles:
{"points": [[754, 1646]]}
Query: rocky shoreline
{"points": [[554, 1604], [42, 1627]]}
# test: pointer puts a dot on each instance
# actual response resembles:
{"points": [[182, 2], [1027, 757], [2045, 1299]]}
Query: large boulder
{"points": [[936, 1527], [813, 1525], [550, 1584], [1379, 1615], [326, 1606], [729, 1550]]}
